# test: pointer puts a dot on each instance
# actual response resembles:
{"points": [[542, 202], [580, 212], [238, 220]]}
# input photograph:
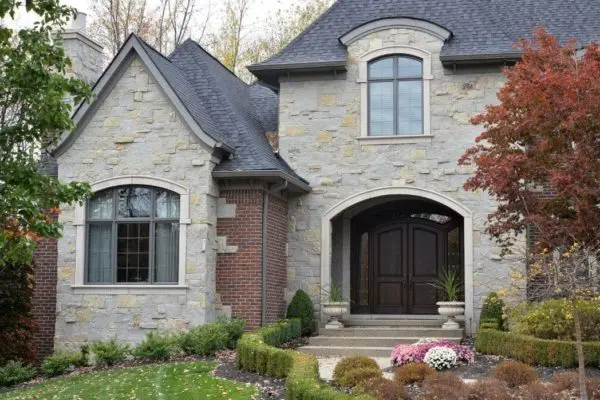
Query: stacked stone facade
{"points": [[320, 138], [136, 131]]}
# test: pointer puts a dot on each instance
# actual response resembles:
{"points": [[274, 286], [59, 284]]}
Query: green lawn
{"points": [[189, 380]]}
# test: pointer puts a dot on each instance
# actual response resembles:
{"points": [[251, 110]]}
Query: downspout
{"points": [[264, 257]]}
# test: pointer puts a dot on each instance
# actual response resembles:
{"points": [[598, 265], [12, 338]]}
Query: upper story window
{"points": [[396, 96], [133, 236]]}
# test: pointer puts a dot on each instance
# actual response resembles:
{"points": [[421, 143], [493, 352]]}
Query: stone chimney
{"points": [[86, 54]]}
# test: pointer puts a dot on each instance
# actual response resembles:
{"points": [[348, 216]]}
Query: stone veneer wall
{"points": [[239, 262], [319, 131], [136, 131]]}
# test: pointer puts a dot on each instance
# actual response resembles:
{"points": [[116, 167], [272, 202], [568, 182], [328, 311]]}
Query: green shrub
{"points": [[61, 361], [303, 382], [492, 312], [383, 389], [302, 307], [205, 340], [235, 330], [110, 353], [413, 373], [281, 332], [348, 364], [258, 352], [515, 373], [553, 319], [15, 372], [550, 353], [156, 346]]}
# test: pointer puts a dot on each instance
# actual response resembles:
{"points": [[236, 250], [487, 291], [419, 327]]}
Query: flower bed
{"points": [[417, 352]]}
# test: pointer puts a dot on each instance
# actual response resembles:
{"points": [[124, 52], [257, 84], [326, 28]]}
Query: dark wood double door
{"points": [[395, 263]]}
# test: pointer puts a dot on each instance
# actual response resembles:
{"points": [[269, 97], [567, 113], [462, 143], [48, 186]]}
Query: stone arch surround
{"points": [[326, 231]]}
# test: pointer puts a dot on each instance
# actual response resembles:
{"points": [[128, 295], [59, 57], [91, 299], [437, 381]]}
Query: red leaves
{"points": [[540, 151]]}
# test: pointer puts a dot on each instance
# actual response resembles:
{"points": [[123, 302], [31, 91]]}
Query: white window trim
{"points": [[363, 81], [79, 222]]}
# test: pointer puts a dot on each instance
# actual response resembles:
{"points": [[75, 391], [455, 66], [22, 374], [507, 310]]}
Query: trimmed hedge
{"points": [[258, 352], [544, 352]]}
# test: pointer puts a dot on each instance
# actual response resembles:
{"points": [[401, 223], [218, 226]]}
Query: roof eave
{"points": [[294, 184], [492, 58], [270, 73]]}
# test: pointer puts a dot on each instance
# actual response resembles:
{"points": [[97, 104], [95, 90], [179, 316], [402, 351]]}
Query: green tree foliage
{"points": [[33, 114]]}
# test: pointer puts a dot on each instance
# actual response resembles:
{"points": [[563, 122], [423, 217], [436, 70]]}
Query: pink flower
{"points": [[407, 353]]}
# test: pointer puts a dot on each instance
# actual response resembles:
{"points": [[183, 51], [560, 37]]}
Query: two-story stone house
{"points": [[338, 166]]}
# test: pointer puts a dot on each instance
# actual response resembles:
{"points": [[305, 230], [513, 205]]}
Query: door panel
{"points": [[394, 265], [389, 278], [425, 261]]}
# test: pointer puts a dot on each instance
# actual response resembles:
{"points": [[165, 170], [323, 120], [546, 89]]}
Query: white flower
{"points": [[440, 358]]}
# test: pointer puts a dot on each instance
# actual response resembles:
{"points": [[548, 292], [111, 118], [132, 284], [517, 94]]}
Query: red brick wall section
{"points": [[276, 258], [44, 295], [239, 274]]}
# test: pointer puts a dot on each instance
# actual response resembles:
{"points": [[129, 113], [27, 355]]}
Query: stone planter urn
{"points": [[335, 311], [450, 310]]}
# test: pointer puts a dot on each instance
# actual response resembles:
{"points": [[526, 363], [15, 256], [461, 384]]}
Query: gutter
{"points": [[298, 66], [482, 58]]}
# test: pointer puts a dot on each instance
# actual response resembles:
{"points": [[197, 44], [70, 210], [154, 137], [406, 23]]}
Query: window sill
{"points": [[129, 289], [384, 140]]}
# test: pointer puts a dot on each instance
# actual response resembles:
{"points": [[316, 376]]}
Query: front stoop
{"points": [[376, 338]]}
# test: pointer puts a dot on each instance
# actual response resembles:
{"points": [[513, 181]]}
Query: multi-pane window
{"points": [[133, 236], [396, 96]]}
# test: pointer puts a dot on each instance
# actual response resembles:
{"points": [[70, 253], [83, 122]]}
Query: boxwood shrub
{"points": [[550, 353], [258, 352], [302, 307]]}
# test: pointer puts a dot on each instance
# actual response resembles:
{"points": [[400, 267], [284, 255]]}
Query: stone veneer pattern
{"points": [[319, 131], [136, 131]]}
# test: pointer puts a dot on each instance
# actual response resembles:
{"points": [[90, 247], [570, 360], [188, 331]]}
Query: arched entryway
{"points": [[398, 249], [386, 246]]}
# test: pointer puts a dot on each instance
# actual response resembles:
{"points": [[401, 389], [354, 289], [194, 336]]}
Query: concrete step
{"points": [[384, 322], [344, 351], [408, 332], [341, 341]]}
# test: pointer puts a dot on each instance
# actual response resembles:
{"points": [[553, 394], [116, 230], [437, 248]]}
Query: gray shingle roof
{"points": [[479, 27], [226, 108]]}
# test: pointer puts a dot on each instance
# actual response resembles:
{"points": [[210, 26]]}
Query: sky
{"points": [[256, 16]]}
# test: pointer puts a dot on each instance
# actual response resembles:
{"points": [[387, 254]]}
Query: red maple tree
{"points": [[544, 134]]}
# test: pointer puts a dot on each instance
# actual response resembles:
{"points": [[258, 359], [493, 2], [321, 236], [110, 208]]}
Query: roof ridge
{"points": [[151, 47], [304, 32]]}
